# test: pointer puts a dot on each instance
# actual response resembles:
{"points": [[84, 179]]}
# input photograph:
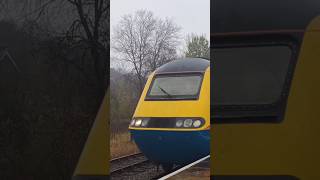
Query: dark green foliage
{"points": [[198, 46]]}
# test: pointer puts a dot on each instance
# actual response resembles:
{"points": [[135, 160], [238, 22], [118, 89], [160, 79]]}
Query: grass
{"points": [[120, 145]]}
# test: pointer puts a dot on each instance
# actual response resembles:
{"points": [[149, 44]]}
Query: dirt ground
{"points": [[120, 145]]}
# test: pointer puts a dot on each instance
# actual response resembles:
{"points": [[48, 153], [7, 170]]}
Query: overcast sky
{"points": [[193, 16]]}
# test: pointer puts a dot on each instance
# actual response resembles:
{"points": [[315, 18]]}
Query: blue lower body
{"points": [[172, 147]]}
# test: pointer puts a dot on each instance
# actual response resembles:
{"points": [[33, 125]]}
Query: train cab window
{"points": [[248, 81], [175, 87]]}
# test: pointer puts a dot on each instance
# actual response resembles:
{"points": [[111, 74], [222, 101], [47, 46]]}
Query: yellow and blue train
{"points": [[171, 123]]}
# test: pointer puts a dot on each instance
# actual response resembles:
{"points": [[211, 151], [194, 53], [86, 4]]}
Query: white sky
{"points": [[193, 16]]}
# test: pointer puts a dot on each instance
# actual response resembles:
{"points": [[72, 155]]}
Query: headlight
{"points": [[179, 123], [144, 122], [138, 122], [187, 123], [197, 123]]}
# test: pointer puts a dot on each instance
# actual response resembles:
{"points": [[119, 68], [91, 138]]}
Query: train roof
{"points": [[266, 15], [184, 65]]}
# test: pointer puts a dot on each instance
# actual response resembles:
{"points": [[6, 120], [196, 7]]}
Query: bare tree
{"points": [[93, 21], [145, 42]]}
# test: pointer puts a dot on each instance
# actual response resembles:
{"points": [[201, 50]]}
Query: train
{"points": [[171, 123], [265, 99]]}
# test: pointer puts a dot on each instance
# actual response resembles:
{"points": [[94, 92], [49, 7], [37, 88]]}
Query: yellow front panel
{"points": [[177, 108]]}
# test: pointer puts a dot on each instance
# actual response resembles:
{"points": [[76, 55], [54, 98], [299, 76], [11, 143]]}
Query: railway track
{"points": [[123, 162], [133, 167], [138, 167]]}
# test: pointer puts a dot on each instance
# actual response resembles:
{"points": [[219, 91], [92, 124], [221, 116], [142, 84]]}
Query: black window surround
{"points": [[196, 97], [262, 113]]}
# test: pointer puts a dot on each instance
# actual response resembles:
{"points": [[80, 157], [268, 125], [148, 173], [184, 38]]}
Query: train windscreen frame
{"points": [[162, 86]]}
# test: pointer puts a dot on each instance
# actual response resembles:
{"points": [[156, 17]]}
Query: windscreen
{"points": [[182, 86], [252, 75]]}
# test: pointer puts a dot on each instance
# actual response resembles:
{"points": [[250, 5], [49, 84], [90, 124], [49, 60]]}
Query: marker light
{"points": [[197, 123], [179, 123], [132, 122], [138, 122], [187, 123]]}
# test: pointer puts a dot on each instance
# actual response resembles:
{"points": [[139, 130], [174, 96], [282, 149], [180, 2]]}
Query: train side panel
{"points": [[289, 148]]}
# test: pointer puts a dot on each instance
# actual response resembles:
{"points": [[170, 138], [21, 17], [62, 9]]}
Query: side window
{"points": [[249, 83], [250, 75]]}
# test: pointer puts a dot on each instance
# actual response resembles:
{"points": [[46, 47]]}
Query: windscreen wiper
{"points": [[164, 91]]}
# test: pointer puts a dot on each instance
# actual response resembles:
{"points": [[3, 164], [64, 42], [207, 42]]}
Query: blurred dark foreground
{"points": [[47, 105]]}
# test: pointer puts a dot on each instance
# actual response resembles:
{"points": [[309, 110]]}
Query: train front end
{"points": [[171, 122]]}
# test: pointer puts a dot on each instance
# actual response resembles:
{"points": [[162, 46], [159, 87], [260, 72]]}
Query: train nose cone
{"points": [[175, 147]]}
